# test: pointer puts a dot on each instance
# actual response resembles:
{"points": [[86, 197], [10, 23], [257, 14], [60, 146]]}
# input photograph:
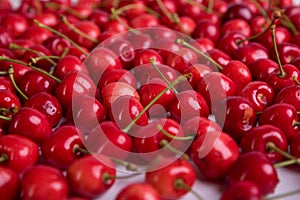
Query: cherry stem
{"points": [[281, 71], [285, 20], [210, 6], [11, 72], [178, 80], [61, 35], [165, 10], [283, 196], [295, 79], [262, 11], [195, 3], [287, 163], [106, 176], [12, 110], [67, 9], [77, 148], [3, 157], [272, 147], [117, 17], [77, 31], [162, 75], [133, 6], [14, 46], [295, 123], [174, 137], [298, 113], [165, 143], [207, 57], [180, 184], [35, 60], [5, 118]]}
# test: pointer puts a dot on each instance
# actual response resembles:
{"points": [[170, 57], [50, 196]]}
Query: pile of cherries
{"points": [[169, 89]]}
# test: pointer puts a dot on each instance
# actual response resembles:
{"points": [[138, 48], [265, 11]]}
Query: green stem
{"points": [[210, 6], [295, 123], [5, 118], [295, 79], [77, 31], [286, 163], [165, 10], [3, 157], [61, 35], [164, 143], [272, 147], [195, 3], [67, 9], [283, 196], [178, 80], [45, 73], [133, 6], [117, 17], [11, 72], [285, 20], [262, 11], [185, 44], [162, 75], [129, 166], [282, 73], [106, 177], [180, 184], [163, 131]]}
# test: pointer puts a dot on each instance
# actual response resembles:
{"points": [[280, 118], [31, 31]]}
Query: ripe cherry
{"points": [[246, 190], [138, 191], [289, 95], [10, 184], [262, 68], [15, 23]]}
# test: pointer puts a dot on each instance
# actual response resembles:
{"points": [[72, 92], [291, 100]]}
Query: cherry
{"points": [[62, 148], [239, 73], [188, 104], [138, 191], [287, 52], [259, 93], [238, 118], [124, 49], [85, 181], [215, 157], [42, 181], [160, 33], [48, 105], [145, 56], [10, 184], [36, 34], [262, 68], [197, 71], [173, 180], [116, 26], [23, 43], [17, 152], [254, 166], [144, 20], [108, 139], [125, 109], [229, 42], [207, 29], [236, 26], [261, 138], [9, 103], [140, 40], [165, 47], [86, 112], [14, 23], [246, 190], [214, 87], [289, 95], [118, 75], [284, 116], [32, 124], [6, 84], [205, 44], [99, 17], [47, 18], [5, 38], [294, 145], [238, 10]]}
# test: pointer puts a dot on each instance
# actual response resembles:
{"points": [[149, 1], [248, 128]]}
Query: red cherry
{"points": [[108, 139], [287, 52], [17, 152], [10, 184], [218, 56], [237, 116], [99, 17], [36, 34], [169, 180], [48, 105], [124, 50], [236, 26], [47, 18], [238, 10], [144, 20], [262, 68], [140, 41], [259, 93], [23, 43], [117, 75], [246, 190], [14, 23], [32, 124], [214, 158], [284, 116], [229, 42], [289, 95], [207, 29], [5, 37], [295, 145], [258, 139], [76, 52], [138, 191], [8, 101], [115, 26], [86, 181], [6, 84], [205, 44], [254, 166], [42, 181], [188, 104], [165, 47], [144, 56], [19, 70], [60, 149], [197, 71]]}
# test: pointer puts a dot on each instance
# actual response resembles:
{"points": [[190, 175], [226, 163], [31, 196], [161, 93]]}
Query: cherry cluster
{"points": [[165, 88]]}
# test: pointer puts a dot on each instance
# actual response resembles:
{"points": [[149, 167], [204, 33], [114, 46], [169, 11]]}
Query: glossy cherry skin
{"points": [[144, 20], [44, 182], [108, 139], [207, 29], [287, 52], [214, 159], [251, 52], [258, 138], [48, 105], [34, 82], [60, 149], [214, 87], [56, 44], [100, 60], [10, 184], [5, 38], [217, 55], [114, 90], [84, 180], [164, 178], [19, 70], [197, 71], [74, 83], [37, 34], [21, 152], [99, 17], [144, 56], [238, 10], [282, 116], [124, 50], [295, 145], [246, 190], [117, 75], [236, 26], [76, 52], [205, 43], [8, 100], [259, 93], [229, 42], [125, 109], [67, 64], [165, 47], [289, 95], [262, 68], [278, 82], [238, 117], [15, 23], [6, 84], [188, 104], [32, 124], [138, 191], [254, 166], [239, 73]]}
